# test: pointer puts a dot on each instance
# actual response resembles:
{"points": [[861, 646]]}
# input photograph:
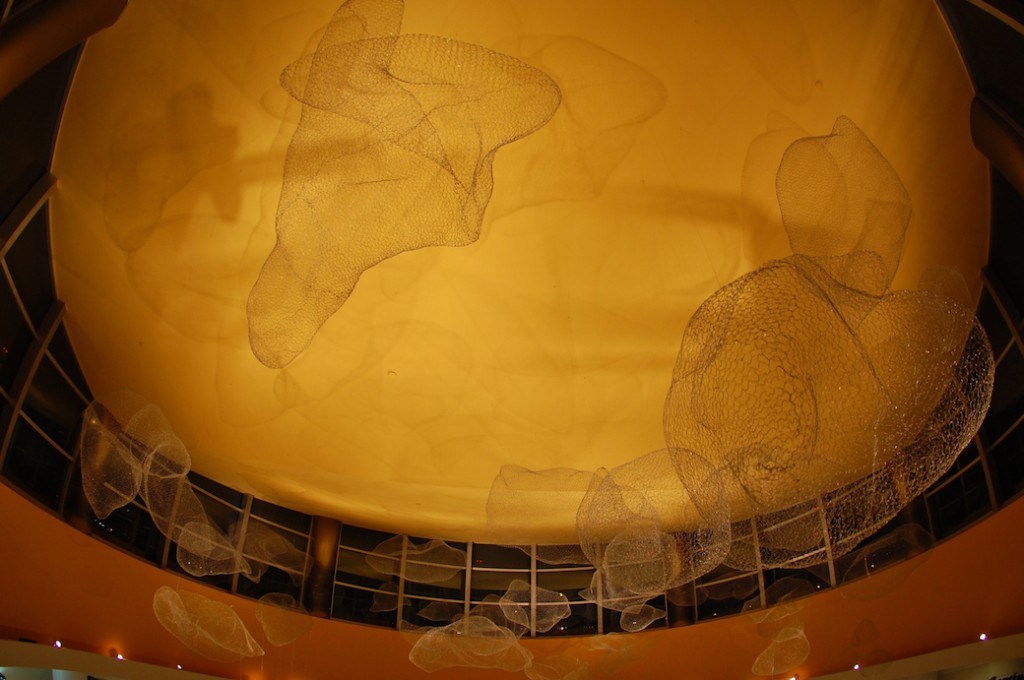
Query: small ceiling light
{"points": [[119, 657], [178, 666], [56, 643], [856, 666], [983, 637]]}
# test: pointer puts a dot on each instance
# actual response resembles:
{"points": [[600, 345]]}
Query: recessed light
{"points": [[856, 666], [119, 657], [178, 666], [983, 637], [56, 643]]}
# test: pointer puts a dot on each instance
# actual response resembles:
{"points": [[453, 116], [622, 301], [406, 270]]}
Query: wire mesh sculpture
{"points": [[284, 620], [393, 152], [205, 626], [809, 403], [827, 400], [128, 448]]}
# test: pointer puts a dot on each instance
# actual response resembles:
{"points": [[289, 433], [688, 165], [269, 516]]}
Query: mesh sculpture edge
{"points": [[396, 137]]}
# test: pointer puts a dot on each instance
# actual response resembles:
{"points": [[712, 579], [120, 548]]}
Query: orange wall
{"points": [[56, 582]]}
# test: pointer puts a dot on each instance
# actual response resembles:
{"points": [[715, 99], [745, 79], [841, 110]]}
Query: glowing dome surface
{"points": [[547, 342]]}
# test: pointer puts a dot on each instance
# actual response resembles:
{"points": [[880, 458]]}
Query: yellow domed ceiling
{"points": [[618, 168]]}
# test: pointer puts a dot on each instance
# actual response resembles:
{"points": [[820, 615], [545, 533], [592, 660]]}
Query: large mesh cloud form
{"points": [[393, 152], [827, 400], [206, 626], [809, 403], [128, 449]]}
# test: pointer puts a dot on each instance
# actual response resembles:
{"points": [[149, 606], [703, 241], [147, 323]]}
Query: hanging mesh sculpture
{"points": [[474, 641], [393, 152], [548, 609], [882, 564], [283, 619], [266, 547], [431, 562], [488, 636], [203, 625], [385, 598], [441, 611], [651, 525], [128, 448], [827, 400], [110, 455], [788, 650], [809, 403]]}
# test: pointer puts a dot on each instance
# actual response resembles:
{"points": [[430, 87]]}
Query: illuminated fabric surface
{"points": [[549, 342]]}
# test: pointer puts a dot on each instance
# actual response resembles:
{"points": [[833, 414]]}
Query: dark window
{"points": [[582, 620], [426, 612], [15, 337], [54, 406], [62, 353], [484, 583], [363, 539], [787, 585], [1007, 239], [1007, 463], [635, 619], [291, 519], [962, 501], [1007, 396], [36, 466], [131, 528], [444, 583], [28, 118], [996, 327], [724, 597], [569, 583], [962, 462], [563, 563], [273, 580], [500, 557], [28, 260], [224, 517], [216, 489], [993, 52], [354, 604], [221, 581], [354, 569]]}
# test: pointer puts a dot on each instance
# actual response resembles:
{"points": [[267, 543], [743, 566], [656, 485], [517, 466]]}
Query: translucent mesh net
{"points": [[205, 626], [551, 606], [474, 641], [266, 546], [635, 618], [385, 598], [809, 403], [883, 564], [442, 611], [283, 619], [827, 400], [111, 456], [653, 524], [128, 448], [788, 650], [393, 152], [431, 562]]}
